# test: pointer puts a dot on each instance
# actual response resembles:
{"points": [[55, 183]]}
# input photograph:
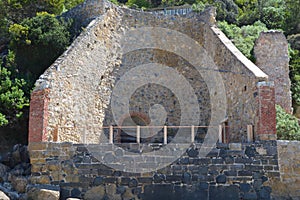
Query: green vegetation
{"points": [[38, 41], [243, 37], [287, 125], [295, 75], [32, 36], [12, 96], [138, 3]]}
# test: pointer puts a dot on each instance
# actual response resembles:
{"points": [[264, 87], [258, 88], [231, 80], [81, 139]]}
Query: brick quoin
{"points": [[38, 118], [266, 112]]}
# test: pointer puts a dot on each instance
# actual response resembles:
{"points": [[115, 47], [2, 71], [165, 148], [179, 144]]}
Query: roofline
{"points": [[241, 57]]}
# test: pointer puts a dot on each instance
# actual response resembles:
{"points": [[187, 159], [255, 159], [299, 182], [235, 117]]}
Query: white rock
{"points": [[3, 196]]}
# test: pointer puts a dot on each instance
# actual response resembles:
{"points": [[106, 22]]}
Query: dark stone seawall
{"points": [[229, 171]]}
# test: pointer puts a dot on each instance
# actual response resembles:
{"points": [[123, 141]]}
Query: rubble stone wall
{"points": [[271, 54], [288, 187], [81, 81], [229, 171]]}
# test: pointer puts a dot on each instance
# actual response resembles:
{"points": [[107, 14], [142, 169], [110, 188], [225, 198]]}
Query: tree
{"points": [[38, 41], [295, 75], [244, 37], [13, 100], [138, 3], [292, 22], [273, 13], [226, 10], [248, 12]]}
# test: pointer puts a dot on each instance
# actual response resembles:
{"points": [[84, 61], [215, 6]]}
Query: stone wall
{"points": [[288, 187], [271, 53], [81, 81], [229, 171], [83, 14]]}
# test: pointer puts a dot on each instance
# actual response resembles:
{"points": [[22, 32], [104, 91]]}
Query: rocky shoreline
{"points": [[15, 170]]}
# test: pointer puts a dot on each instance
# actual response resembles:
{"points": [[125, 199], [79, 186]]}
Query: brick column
{"points": [[38, 117], [266, 112]]}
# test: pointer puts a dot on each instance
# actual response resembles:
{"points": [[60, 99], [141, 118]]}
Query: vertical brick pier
{"points": [[38, 117]]}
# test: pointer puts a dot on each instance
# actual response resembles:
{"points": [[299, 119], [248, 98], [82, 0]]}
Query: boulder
{"points": [[3, 196], [7, 160], [20, 183], [95, 193], [73, 199], [7, 190], [3, 172], [41, 192], [18, 155], [24, 154]]}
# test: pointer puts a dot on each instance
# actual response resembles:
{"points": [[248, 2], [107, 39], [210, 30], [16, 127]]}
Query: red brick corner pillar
{"points": [[38, 116], [266, 112]]}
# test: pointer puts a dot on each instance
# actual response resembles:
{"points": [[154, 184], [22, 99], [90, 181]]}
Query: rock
{"points": [[23, 197], [6, 185], [26, 169], [128, 194], [72, 199], [20, 184], [192, 152], [98, 181], [3, 196], [9, 193], [121, 190], [3, 172], [24, 154], [18, 170], [95, 193], [132, 183], [186, 178], [75, 192], [3, 169], [16, 156], [235, 146], [158, 178], [221, 178], [7, 160], [111, 192], [43, 192]]}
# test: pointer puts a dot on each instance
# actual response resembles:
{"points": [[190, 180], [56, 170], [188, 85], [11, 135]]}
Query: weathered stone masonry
{"points": [[71, 104], [232, 171], [90, 67], [271, 53]]}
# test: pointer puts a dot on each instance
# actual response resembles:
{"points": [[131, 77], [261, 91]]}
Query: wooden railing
{"points": [[223, 132]]}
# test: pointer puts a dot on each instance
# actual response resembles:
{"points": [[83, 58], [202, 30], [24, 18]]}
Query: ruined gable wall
{"points": [[82, 79], [78, 82]]}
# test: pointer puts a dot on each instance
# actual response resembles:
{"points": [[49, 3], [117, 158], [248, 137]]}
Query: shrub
{"points": [[12, 97], [38, 41], [287, 125], [244, 37]]}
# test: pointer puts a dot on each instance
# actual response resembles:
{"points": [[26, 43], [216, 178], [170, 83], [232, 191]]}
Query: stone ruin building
{"points": [[205, 85]]}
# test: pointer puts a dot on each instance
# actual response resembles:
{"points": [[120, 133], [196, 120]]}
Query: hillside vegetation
{"points": [[32, 36]]}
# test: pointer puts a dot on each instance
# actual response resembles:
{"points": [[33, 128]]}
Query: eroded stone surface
{"points": [[81, 81], [289, 164], [271, 53]]}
